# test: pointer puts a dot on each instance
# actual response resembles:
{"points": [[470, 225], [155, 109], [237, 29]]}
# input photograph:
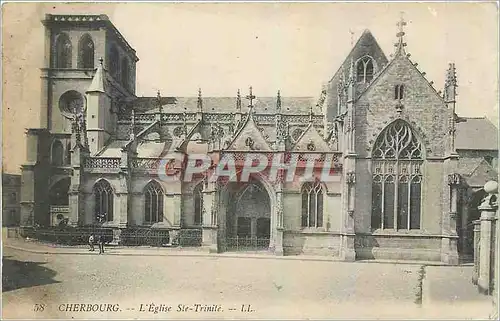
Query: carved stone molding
{"points": [[454, 179], [350, 178]]}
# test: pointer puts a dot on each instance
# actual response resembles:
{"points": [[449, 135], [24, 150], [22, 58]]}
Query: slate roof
{"points": [[262, 105], [476, 134]]}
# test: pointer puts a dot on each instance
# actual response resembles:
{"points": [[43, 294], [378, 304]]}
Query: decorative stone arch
{"points": [[104, 196], [63, 51], [86, 52], [222, 208], [154, 200], [414, 131]]}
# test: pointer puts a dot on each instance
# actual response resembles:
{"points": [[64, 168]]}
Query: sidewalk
{"points": [[38, 247]]}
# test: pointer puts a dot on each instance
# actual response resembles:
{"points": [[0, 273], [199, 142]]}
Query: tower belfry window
{"points": [[399, 92], [364, 70], [63, 51], [86, 52]]}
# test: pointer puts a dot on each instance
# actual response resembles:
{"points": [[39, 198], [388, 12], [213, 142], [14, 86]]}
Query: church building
{"points": [[406, 168]]}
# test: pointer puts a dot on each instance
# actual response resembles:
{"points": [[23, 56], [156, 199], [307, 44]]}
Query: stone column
{"points": [[451, 248], [278, 221], [477, 237], [486, 247], [488, 208], [348, 252], [210, 224]]}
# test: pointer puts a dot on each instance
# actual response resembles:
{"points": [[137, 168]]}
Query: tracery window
{"points": [[153, 203], [198, 204], [103, 195], [364, 70], [71, 102], [312, 205], [397, 178], [63, 51], [86, 52]]}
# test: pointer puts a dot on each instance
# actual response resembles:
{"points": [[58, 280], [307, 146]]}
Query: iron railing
{"points": [[248, 243], [133, 236]]}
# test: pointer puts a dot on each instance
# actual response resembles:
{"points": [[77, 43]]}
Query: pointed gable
{"points": [[249, 137], [310, 140], [365, 46], [420, 104]]}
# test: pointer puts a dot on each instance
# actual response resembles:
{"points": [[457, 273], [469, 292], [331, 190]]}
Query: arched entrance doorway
{"points": [[248, 217], [59, 202]]}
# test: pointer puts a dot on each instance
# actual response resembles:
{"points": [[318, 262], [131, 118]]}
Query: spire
{"points": [[310, 114], [352, 71], [238, 101], [450, 83], [97, 84], [451, 76], [278, 102], [250, 97], [400, 44], [200, 101]]}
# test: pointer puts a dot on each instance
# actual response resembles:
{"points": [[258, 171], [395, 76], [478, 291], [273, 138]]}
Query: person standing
{"points": [[91, 242], [101, 244]]}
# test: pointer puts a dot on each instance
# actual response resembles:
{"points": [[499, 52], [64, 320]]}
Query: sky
{"points": [[220, 47]]}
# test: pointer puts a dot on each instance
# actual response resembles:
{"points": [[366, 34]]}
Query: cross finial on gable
{"points": [[400, 44], [352, 37], [250, 97], [101, 61]]}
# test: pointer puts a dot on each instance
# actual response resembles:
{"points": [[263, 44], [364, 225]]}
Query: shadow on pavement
{"points": [[24, 274]]}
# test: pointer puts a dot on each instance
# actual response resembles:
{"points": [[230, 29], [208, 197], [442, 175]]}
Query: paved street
{"points": [[269, 288]]}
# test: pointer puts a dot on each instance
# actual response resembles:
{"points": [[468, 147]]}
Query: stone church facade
{"points": [[406, 167]]}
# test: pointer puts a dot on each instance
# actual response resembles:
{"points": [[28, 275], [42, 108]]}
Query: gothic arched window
{"points": [[364, 70], [57, 155], [153, 203], [114, 61], [63, 51], [312, 205], [198, 204], [86, 52], [103, 194], [71, 102], [397, 178], [125, 72]]}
